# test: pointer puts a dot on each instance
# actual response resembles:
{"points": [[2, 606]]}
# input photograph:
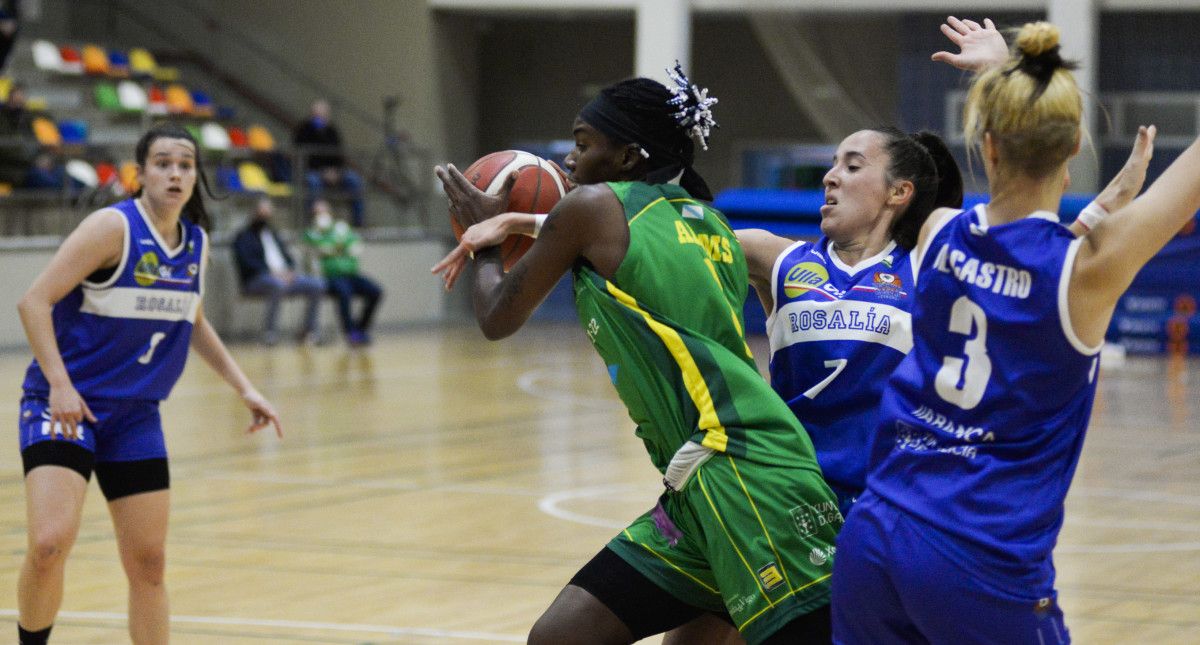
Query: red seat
{"points": [[237, 137]]}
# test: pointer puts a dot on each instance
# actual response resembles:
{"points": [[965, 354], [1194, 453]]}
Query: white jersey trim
{"points": [[171, 253], [920, 252], [775, 281], [1064, 307], [116, 275], [140, 303], [203, 259], [899, 336], [862, 264]]}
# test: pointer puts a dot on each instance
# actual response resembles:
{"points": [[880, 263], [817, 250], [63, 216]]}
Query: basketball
{"points": [[539, 186]]}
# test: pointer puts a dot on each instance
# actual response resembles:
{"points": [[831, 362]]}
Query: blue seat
{"points": [[73, 131], [228, 176]]}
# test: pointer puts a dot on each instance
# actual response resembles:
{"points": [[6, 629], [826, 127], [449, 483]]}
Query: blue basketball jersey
{"points": [[984, 420], [128, 336], [836, 334]]}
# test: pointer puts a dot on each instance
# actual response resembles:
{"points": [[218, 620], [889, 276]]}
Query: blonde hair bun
{"points": [[1037, 38]]}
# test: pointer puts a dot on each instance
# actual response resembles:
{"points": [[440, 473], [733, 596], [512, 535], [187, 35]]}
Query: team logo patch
{"points": [[146, 271], [889, 285], [193, 269], [692, 211], [770, 577], [804, 277]]}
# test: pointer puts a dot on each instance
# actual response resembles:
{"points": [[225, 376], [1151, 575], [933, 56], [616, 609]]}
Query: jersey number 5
{"points": [[155, 339], [973, 372]]}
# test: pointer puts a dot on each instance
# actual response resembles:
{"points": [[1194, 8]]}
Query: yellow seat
{"points": [[141, 62], [254, 179], [6, 84], [166, 74]]}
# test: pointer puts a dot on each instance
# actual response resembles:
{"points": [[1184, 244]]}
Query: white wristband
{"points": [[1091, 215], [538, 220]]}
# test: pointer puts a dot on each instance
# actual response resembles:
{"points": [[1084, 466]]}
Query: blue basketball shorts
{"points": [[892, 584], [125, 445]]}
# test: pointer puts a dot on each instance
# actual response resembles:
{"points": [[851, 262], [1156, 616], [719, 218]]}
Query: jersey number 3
{"points": [[973, 372], [155, 339]]}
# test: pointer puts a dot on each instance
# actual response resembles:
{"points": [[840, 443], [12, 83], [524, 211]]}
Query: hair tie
{"points": [[695, 106]]}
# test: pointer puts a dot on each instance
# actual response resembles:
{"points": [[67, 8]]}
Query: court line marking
{"points": [[297, 624], [550, 504]]}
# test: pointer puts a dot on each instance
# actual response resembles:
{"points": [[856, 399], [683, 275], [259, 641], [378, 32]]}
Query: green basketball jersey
{"points": [[669, 327]]}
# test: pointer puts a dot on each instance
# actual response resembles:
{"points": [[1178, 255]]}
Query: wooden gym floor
{"points": [[438, 488]]}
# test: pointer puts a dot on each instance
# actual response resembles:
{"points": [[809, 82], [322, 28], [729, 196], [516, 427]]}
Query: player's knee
{"points": [[147, 565], [48, 548]]}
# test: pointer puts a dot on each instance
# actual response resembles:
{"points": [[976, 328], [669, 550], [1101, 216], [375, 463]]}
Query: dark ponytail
{"points": [[924, 160], [194, 209]]}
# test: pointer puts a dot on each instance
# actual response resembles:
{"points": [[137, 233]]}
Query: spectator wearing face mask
{"points": [[338, 247]]}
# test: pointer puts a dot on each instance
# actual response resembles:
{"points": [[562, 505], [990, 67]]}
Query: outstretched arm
{"points": [[489, 232], [761, 249], [1112, 254]]}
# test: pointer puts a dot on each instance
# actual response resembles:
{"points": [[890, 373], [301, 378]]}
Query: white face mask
{"points": [[323, 220]]}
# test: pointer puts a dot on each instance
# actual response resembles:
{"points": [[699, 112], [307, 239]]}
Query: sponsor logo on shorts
{"points": [[819, 556], [770, 576], [810, 519]]}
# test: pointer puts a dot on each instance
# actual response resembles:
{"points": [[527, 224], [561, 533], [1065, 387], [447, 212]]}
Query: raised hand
{"points": [[981, 47], [1129, 180]]}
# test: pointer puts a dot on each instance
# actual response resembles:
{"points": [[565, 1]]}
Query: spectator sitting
{"points": [[266, 269], [338, 247], [326, 168], [18, 145]]}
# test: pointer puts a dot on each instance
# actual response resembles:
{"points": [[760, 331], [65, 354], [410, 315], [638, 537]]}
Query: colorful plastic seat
{"points": [[95, 60], [142, 63], [46, 132], [166, 74], [259, 139], [132, 97], [127, 173], [72, 62], [6, 84], [214, 137], [237, 137], [82, 172], [179, 99], [73, 131], [46, 56], [106, 97], [202, 104], [254, 179], [228, 178], [118, 64], [107, 173], [157, 101]]}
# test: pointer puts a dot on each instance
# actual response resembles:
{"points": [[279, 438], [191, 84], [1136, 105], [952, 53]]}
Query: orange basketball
{"points": [[540, 184]]}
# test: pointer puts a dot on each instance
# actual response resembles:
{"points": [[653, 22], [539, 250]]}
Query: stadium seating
{"points": [[73, 131], [118, 64], [254, 179], [259, 139], [202, 104], [72, 62], [82, 172], [156, 101], [127, 172], [214, 137], [179, 99], [238, 138], [142, 63], [46, 132], [95, 60], [46, 56], [132, 97], [106, 96]]}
